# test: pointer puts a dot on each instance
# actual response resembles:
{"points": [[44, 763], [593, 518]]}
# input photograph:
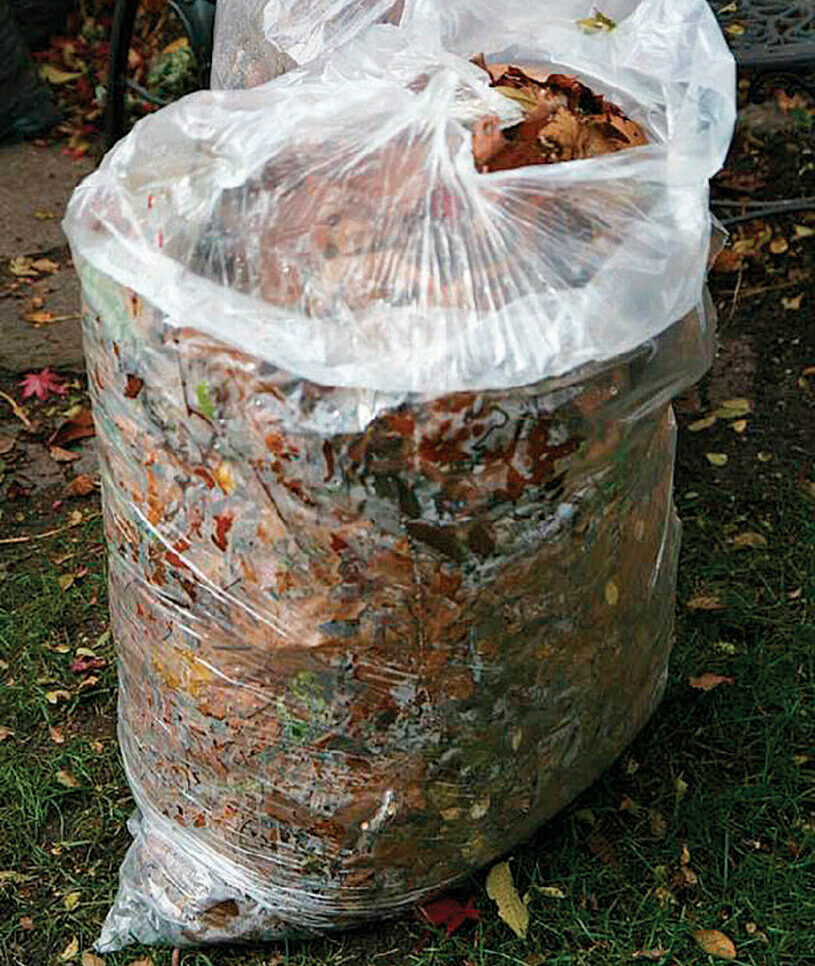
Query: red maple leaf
{"points": [[83, 664], [449, 913], [42, 384]]}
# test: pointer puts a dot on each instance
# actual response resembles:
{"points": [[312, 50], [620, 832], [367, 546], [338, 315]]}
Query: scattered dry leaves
{"points": [[71, 900]]}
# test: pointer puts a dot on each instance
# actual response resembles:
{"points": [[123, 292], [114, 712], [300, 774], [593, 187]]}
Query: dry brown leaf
{"points": [[715, 943], [6, 444], [5, 733], [81, 485], [70, 952], [64, 777], [684, 858], [749, 539], [26, 923], [705, 602], [91, 959], [60, 455], [708, 681], [728, 261], [56, 735], [659, 826], [45, 265], [779, 245], [79, 426], [511, 908], [793, 303]]}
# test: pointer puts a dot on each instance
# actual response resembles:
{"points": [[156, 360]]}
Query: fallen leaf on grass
{"points": [[70, 951], [5, 733], [705, 602], [804, 231], [26, 923], [764, 457], [56, 735], [779, 245], [89, 682], [64, 777], [91, 959], [649, 953], [41, 384], [147, 961], [739, 426], [793, 303], [54, 697], [708, 681], [66, 581], [83, 664], [701, 424], [71, 900], [60, 455], [749, 539], [553, 892], [81, 485], [733, 408], [6, 444], [715, 943], [511, 908], [449, 913], [659, 826], [716, 459]]}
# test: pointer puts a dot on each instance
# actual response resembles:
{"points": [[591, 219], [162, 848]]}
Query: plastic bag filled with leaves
{"points": [[381, 356], [257, 40]]}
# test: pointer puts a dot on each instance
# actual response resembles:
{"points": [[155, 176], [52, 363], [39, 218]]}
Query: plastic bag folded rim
{"points": [[531, 329]]}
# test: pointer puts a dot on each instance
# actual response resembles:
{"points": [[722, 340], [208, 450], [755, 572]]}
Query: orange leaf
{"points": [[715, 943], [708, 681]]}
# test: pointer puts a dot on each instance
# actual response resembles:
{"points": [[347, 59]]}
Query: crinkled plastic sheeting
{"points": [[386, 459], [257, 40]]}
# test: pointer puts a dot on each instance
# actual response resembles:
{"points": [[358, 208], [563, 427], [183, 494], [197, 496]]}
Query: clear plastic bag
{"points": [[257, 40], [387, 458]]}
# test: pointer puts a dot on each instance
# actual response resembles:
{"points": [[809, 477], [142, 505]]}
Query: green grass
{"points": [[724, 773]]}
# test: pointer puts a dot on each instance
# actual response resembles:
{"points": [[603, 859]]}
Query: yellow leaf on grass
{"points": [[66, 581], [804, 231], [779, 245], [70, 951], [708, 681], [715, 943], [91, 959], [54, 697], [734, 408], [511, 908], [716, 459], [612, 594], [749, 539], [701, 424], [705, 602], [793, 303], [553, 892], [739, 426], [71, 900], [64, 777], [56, 76]]}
